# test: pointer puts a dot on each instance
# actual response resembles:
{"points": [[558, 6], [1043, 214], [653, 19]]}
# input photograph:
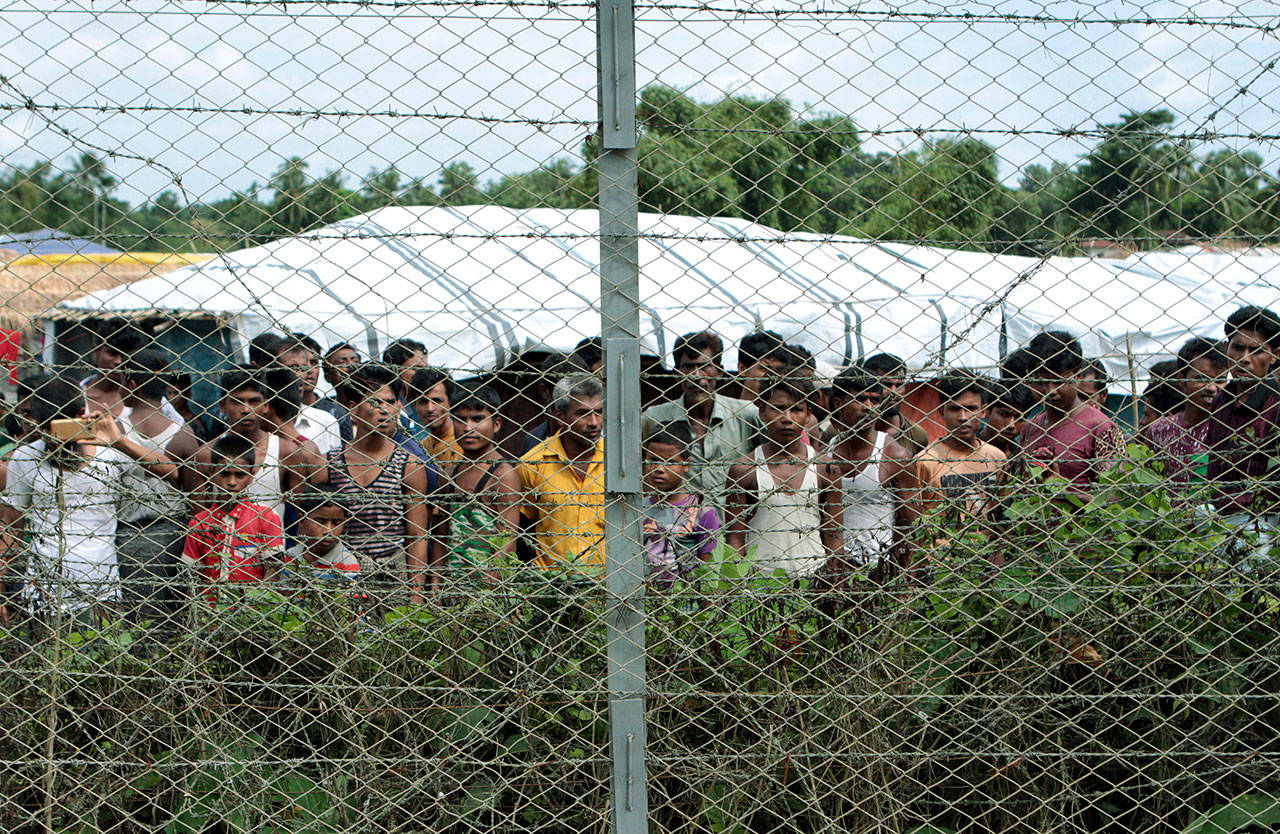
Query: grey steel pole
{"points": [[620, 331]]}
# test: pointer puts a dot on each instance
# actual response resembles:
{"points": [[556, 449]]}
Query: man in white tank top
{"points": [[864, 515], [280, 465], [774, 495]]}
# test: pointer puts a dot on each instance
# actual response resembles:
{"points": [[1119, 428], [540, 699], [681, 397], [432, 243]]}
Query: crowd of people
{"points": [[119, 498]]}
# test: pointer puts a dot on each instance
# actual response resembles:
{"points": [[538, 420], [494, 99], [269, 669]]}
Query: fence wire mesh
{"points": [[907, 463]]}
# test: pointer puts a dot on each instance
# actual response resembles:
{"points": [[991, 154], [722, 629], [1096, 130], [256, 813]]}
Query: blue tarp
{"points": [[53, 242]]}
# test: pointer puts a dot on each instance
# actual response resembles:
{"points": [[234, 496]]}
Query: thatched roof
{"points": [[30, 285]]}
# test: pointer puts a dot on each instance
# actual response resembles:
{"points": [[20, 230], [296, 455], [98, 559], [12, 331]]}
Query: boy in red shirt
{"points": [[233, 540]]}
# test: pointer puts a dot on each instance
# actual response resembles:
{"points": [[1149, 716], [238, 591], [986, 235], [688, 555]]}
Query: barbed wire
{"points": [[854, 12], [811, 131]]}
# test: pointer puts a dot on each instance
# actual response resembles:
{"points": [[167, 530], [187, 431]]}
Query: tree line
{"points": [[752, 158]]}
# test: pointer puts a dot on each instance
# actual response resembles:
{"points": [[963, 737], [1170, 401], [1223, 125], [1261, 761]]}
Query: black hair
{"points": [[367, 378], [1199, 347], [126, 341], [1259, 319], [424, 379], [283, 391], [473, 397], [557, 365], [757, 346], [589, 351], [231, 448], [797, 356], [182, 380], [313, 496], [856, 379], [798, 387], [241, 379], [1014, 394], [954, 384], [401, 351], [301, 341], [147, 371], [691, 344], [1057, 352], [885, 364], [1093, 367], [121, 336], [264, 348], [341, 346], [1162, 394], [676, 433], [54, 398], [1018, 365]]}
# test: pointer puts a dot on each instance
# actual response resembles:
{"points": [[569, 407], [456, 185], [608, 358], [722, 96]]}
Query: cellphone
{"points": [[78, 428]]}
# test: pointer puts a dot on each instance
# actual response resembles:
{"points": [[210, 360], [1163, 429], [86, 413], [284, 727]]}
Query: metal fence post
{"points": [[620, 321]]}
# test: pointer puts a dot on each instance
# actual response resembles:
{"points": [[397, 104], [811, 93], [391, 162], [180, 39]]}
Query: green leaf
{"points": [[1246, 810]]}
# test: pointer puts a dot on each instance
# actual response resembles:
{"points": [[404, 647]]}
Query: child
{"points": [[484, 498], [233, 540], [322, 517], [1011, 402], [679, 529], [960, 472]]}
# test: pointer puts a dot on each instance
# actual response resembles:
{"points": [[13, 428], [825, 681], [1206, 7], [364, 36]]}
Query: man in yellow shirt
{"points": [[563, 480]]}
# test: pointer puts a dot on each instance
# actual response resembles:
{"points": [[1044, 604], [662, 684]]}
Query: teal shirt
{"points": [[735, 427]]}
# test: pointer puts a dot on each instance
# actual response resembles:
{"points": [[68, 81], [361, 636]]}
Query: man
{"points": [[406, 354], [759, 354], [1072, 438], [1094, 383], [301, 355], [869, 473], [428, 419], [563, 481], [1179, 438], [554, 367], [892, 371], [958, 473], [723, 429], [391, 493], [774, 495], [280, 464], [64, 491], [339, 361], [1245, 425], [118, 340]]}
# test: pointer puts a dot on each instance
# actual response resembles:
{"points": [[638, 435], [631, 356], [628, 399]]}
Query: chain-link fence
{"points": [[458, 415]]}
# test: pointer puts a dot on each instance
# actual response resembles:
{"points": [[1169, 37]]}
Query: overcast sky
{"points": [[537, 63]]}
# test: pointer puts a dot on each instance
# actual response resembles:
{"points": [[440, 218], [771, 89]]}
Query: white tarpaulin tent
{"points": [[479, 284]]}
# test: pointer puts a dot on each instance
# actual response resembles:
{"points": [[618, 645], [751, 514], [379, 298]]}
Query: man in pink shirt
{"points": [[1071, 437]]}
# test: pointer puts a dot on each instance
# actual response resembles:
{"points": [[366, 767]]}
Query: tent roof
{"points": [[52, 242], [477, 284]]}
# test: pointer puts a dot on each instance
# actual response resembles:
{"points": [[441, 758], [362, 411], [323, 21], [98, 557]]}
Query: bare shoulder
{"points": [[743, 473], [184, 444]]}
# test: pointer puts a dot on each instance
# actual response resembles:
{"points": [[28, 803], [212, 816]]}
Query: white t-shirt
{"points": [[73, 549], [320, 427]]}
